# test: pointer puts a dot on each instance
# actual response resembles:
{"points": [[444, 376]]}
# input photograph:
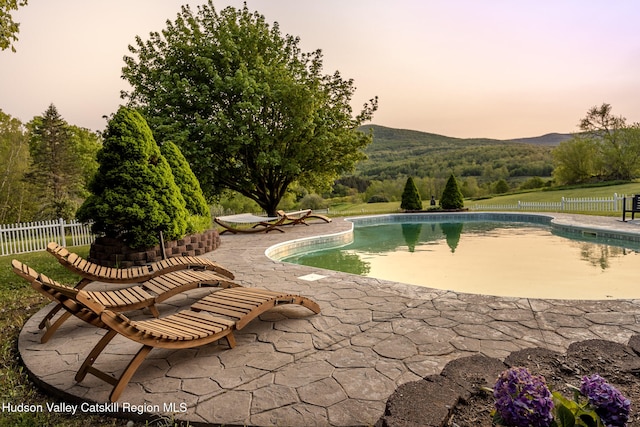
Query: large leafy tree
{"points": [[134, 196], [618, 142], [62, 160], [250, 111], [575, 160], [8, 27]]}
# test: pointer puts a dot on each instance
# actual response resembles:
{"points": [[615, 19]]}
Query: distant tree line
{"points": [[44, 167]]}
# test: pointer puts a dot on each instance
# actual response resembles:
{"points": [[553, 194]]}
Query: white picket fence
{"points": [[566, 204], [34, 236]]}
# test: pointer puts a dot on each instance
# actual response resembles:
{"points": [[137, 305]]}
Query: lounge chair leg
{"points": [[311, 305], [91, 358], [49, 316], [154, 311], [80, 285], [231, 340], [51, 329], [131, 368]]}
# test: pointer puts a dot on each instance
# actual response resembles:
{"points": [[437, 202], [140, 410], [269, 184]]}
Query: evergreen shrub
{"points": [[411, 200], [452, 196], [196, 204], [133, 194]]}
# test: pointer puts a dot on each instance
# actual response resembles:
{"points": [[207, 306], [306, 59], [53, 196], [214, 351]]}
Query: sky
{"points": [[462, 68]]}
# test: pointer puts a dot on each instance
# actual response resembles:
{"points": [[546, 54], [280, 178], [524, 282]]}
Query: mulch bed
{"points": [[454, 398]]}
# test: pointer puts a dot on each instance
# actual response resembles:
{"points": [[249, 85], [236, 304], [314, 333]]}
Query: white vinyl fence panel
{"points": [[566, 204], [34, 236]]}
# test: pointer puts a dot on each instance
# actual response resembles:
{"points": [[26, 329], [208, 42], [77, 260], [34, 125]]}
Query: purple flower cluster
{"points": [[523, 400], [611, 406]]}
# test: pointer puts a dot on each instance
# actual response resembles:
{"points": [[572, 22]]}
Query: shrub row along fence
{"points": [[566, 204], [34, 236]]}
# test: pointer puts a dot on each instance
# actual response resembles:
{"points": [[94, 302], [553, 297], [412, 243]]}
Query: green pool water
{"points": [[487, 257]]}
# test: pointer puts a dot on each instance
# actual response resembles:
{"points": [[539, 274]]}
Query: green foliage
{"points": [[358, 183], [17, 201], [312, 201], [185, 179], [533, 183], [233, 202], [250, 111], [9, 29], [62, 159], [570, 413], [196, 205], [133, 194], [606, 149], [377, 199], [452, 196], [501, 187], [411, 200], [400, 153], [575, 161]]}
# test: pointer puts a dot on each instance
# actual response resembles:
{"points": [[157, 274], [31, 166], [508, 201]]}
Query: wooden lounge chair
{"points": [[184, 329], [144, 295], [91, 272], [261, 224], [204, 323], [300, 217]]}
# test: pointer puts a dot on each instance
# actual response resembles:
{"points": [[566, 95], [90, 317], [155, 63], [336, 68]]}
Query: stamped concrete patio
{"points": [[338, 368]]}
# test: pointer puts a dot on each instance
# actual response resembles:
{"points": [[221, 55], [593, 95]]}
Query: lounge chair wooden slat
{"points": [[221, 310], [234, 301], [228, 302]]}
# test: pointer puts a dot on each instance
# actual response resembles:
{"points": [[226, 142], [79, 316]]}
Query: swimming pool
{"points": [[492, 254]]}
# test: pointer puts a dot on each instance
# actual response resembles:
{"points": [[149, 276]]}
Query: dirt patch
{"points": [[453, 397]]}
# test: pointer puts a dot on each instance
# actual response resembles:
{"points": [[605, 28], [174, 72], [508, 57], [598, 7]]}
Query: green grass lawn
{"points": [[19, 302]]}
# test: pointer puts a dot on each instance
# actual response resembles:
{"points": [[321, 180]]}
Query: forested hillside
{"points": [[399, 152]]}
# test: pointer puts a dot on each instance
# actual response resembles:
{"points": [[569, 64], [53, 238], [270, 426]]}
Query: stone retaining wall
{"points": [[113, 253]]}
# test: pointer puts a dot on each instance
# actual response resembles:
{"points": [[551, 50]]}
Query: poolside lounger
{"points": [[182, 330], [203, 324], [144, 295], [261, 224], [301, 217], [90, 271], [196, 327]]}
